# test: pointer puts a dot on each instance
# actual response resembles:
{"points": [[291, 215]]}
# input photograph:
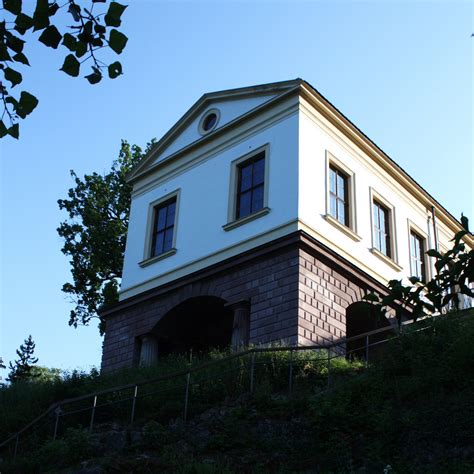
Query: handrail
{"points": [[205, 365]]}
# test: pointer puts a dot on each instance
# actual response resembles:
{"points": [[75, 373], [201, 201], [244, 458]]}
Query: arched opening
{"points": [[198, 324], [363, 317]]}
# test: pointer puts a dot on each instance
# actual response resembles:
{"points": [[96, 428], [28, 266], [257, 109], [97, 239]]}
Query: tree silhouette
{"points": [[22, 369]]}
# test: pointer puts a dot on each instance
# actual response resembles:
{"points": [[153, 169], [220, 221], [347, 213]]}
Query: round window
{"points": [[209, 121]]}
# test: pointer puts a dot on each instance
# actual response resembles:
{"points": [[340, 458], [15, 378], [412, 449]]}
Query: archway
{"points": [[362, 317], [197, 324]]}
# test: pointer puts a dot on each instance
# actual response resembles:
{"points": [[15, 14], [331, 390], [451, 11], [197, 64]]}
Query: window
{"points": [[381, 225], [417, 256], [209, 121], [339, 195], [163, 227], [250, 186]]}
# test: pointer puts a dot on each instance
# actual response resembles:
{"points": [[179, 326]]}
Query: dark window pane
{"points": [[245, 178], [161, 221], [244, 204], [209, 122], [171, 213], [168, 240], [257, 199], [258, 172], [159, 243]]}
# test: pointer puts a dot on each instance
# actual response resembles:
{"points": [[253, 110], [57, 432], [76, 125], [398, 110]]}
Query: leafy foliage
{"points": [[94, 235], [455, 273], [23, 369], [90, 32]]}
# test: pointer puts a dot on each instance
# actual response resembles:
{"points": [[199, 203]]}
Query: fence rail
{"points": [[178, 387]]}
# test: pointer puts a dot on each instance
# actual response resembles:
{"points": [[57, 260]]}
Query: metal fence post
{"points": [[252, 370], [186, 397], [56, 423], [17, 440], [134, 402], [366, 351], [290, 374], [93, 414]]}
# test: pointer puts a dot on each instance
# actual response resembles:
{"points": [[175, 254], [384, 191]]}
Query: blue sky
{"points": [[401, 71]]}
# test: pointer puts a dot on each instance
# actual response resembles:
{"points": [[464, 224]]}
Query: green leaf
{"points": [[26, 104], [81, 49], [70, 42], [51, 37], [21, 58], [14, 131], [13, 76], [115, 69], [4, 54], [99, 29], [433, 253], [53, 8], [41, 15], [3, 129], [465, 222], [371, 297], [14, 43], [414, 280], [112, 18], [117, 41], [23, 23], [75, 11], [71, 66], [95, 77], [13, 6]]}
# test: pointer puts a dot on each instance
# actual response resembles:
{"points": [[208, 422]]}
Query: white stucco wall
{"points": [[316, 138], [229, 110], [298, 141], [203, 209]]}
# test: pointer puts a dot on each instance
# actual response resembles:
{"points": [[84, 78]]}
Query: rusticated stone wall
{"points": [[297, 289]]}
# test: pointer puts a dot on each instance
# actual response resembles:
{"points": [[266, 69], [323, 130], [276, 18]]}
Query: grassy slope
{"points": [[412, 410]]}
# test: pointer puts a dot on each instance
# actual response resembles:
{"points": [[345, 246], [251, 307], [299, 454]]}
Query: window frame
{"points": [[377, 232], [148, 256], [204, 116], [237, 164], [349, 228], [392, 259], [423, 236]]}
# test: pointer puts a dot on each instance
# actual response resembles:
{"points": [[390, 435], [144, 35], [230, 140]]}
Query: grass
{"points": [[411, 410]]}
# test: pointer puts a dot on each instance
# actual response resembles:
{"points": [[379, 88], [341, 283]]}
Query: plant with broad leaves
{"points": [[95, 233], [454, 277], [90, 32]]}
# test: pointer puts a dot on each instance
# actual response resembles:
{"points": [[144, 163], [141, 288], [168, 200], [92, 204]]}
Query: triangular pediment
{"points": [[230, 105]]}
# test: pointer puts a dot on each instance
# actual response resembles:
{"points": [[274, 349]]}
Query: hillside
{"points": [[410, 411]]}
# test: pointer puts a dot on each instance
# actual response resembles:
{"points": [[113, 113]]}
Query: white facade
{"points": [[301, 134]]}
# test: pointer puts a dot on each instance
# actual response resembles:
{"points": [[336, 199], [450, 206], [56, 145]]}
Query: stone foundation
{"points": [[295, 290]]}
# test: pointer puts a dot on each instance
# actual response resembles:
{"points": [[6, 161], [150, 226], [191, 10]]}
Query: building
{"points": [[264, 215]]}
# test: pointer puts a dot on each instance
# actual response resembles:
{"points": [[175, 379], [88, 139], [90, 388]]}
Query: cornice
{"points": [[342, 123]]}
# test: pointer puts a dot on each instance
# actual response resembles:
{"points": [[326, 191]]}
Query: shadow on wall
{"points": [[195, 325]]}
